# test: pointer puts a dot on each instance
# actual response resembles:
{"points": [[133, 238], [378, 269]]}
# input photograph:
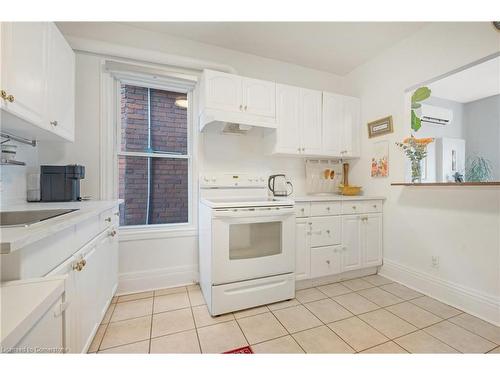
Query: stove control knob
{"points": [[206, 179]]}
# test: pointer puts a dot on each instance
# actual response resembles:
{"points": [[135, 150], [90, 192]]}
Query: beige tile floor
{"points": [[365, 315]]}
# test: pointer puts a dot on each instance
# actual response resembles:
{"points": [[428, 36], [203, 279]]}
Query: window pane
{"points": [[168, 122], [163, 200], [151, 121]]}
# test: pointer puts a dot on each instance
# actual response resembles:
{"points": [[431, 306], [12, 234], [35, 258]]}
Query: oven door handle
{"points": [[254, 212]]}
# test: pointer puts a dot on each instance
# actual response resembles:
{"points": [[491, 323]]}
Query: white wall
{"points": [[162, 260], [458, 224], [482, 121]]}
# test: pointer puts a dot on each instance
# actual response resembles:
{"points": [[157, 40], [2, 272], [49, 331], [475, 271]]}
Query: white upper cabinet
{"points": [[298, 121], [350, 128], [37, 81], [310, 121], [60, 85], [222, 91], [231, 98], [259, 97], [24, 67], [287, 119], [341, 121], [333, 114]]}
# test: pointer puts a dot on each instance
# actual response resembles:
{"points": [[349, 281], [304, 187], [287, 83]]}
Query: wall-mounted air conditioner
{"points": [[436, 115]]}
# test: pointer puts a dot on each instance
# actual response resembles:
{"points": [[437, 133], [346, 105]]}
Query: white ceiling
{"points": [[336, 47], [477, 82]]}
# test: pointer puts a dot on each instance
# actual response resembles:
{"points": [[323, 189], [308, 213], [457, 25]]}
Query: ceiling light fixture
{"points": [[181, 102]]}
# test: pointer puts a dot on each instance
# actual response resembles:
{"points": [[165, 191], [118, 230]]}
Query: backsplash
{"points": [[13, 177]]}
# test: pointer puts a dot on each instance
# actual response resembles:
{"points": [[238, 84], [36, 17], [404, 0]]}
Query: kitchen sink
{"points": [[26, 218]]}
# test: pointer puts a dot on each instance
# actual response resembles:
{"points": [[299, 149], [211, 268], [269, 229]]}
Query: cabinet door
{"points": [[288, 121], [60, 85], [372, 240], [223, 91], [351, 124], [310, 121], [302, 251], [351, 243], [259, 97], [332, 124], [24, 62]]}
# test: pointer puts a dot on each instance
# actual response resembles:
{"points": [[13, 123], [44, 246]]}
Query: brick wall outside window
{"points": [[168, 177]]}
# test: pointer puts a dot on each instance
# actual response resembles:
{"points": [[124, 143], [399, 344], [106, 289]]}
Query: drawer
{"points": [[245, 294], [325, 208], [373, 206], [353, 207], [325, 231], [302, 209], [325, 261]]}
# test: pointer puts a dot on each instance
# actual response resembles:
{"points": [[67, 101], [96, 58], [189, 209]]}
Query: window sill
{"points": [[146, 233]]}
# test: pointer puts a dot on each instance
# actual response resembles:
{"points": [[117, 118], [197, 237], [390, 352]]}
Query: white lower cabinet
{"points": [[91, 282], [326, 261], [351, 247], [372, 240], [329, 245], [302, 250]]}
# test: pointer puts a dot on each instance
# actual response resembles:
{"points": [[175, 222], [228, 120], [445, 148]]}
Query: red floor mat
{"points": [[242, 350]]}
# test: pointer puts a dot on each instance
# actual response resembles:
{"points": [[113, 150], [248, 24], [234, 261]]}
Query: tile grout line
{"points": [[194, 321]]}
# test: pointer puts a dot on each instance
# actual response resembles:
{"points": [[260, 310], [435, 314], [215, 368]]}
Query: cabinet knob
{"points": [[245, 107], [108, 219], [328, 231], [327, 262], [112, 233], [353, 207], [241, 107], [302, 209], [303, 149], [328, 208], [5, 96], [374, 206], [117, 213], [53, 123]]}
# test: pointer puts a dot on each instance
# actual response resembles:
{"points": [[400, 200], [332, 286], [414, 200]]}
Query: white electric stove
{"points": [[246, 243]]}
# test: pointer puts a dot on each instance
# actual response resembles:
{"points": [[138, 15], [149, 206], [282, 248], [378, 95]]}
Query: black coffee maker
{"points": [[61, 183]]}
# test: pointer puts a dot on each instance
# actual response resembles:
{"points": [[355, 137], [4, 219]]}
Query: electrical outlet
{"points": [[435, 261]]}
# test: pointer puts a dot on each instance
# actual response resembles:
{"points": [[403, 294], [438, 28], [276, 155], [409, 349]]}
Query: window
{"points": [[153, 156]]}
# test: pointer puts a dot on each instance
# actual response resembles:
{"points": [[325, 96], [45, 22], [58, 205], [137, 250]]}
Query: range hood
{"points": [[233, 122]]}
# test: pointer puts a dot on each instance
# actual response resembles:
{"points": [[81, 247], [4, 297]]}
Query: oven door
{"points": [[250, 243]]}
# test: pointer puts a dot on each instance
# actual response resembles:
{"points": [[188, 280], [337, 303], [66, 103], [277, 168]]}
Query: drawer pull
{"points": [[328, 208], [353, 207], [117, 213], [302, 209], [108, 219], [327, 262], [112, 233], [328, 231], [374, 206]]}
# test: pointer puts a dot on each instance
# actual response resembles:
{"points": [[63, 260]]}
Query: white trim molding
{"points": [[118, 50], [472, 301], [170, 277]]}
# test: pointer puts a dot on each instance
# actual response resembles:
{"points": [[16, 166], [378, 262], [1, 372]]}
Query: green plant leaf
{"points": [[420, 94], [415, 121], [415, 105]]}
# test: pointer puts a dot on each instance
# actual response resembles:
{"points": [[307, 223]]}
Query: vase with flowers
{"points": [[414, 148], [416, 151]]}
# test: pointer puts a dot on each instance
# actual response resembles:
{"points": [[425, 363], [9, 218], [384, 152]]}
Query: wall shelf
{"points": [[492, 183]]}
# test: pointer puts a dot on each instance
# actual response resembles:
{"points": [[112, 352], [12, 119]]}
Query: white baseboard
{"points": [[482, 305], [170, 277]]}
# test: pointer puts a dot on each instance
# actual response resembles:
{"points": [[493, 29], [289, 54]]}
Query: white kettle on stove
{"points": [[279, 185]]}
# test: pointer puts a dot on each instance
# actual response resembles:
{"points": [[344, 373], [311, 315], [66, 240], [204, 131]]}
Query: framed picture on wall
{"points": [[379, 165], [380, 127]]}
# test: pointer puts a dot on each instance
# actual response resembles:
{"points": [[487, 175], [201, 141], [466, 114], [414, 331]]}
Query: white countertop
{"points": [[334, 197], [23, 304], [14, 238]]}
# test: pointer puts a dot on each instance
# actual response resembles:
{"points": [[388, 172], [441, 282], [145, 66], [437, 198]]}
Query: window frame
{"points": [[117, 151]]}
